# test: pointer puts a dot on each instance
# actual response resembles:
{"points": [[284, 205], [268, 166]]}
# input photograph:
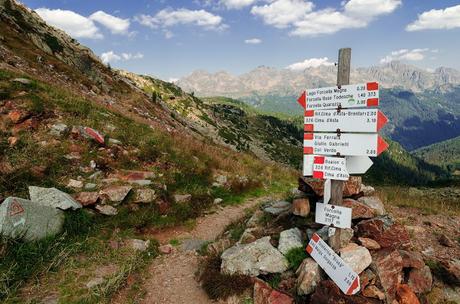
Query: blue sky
{"points": [[170, 39]]}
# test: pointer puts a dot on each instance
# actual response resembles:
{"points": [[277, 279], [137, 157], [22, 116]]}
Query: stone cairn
{"points": [[376, 247]]}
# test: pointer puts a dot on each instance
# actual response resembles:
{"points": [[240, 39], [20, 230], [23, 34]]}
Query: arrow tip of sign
{"points": [[381, 120], [382, 145], [303, 100]]}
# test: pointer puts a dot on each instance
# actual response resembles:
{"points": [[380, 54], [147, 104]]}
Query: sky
{"points": [[170, 39]]}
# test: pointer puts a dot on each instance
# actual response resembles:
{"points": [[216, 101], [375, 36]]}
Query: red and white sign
{"points": [[323, 167], [354, 164], [358, 120], [345, 144], [348, 96], [342, 275], [333, 215]]}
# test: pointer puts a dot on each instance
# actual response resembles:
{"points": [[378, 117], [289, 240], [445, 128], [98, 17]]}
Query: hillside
{"points": [[446, 154]]}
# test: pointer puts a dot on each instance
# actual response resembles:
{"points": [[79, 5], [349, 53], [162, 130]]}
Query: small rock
{"points": [[373, 202], [420, 280], [218, 201], [53, 197], [290, 239], [22, 80], [367, 190], [95, 175], [12, 141], [95, 282], [412, 259], [92, 134], [59, 129], [327, 292], [93, 165], [452, 271], [218, 247], [301, 207], [264, 294], [141, 182], [75, 184], [259, 257], [341, 238], [296, 193], [255, 219], [221, 180], [405, 295], [144, 196], [114, 142], [182, 198], [107, 210], [166, 249], [384, 231], [249, 235], [323, 233], [387, 265], [369, 243], [308, 276], [445, 241], [116, 194], [359, 210], [87, 198], [163, 206], [352, 186], [137, 245], [276, 208], [90, 186], [373, 292], [357, 257], [192, 244], [131, 175], [367, 277]]}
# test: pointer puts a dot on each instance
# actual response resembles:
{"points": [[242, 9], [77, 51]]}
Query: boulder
{"points": [[357, 257], [301, 207], [405, 295], [264, 294], [290, 239], [384, 231], [359, 210], [369, 243], [53, 197], [25, 219], [116, 194], [87, 198], [59, 129], [374, 203], [352, 186], [259, 257], [144, 196], [420, 280], [276, 208], [327, 292], [412, 259], [182, 198], [106, 210], [367, 190], [387, 265], [308, 276]]}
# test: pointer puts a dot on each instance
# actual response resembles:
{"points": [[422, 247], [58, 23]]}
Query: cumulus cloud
{"points": [[237, 4], [309, 63], [111, 56], [114, 24], [72, 23], [303, 20], [253, 41], [169, 17], [407, 55], [447, 18]]}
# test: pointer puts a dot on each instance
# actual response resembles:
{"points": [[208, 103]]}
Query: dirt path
{"points": [[171, 277]]}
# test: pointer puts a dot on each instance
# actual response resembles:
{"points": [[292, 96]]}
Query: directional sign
{"points": [[348, 96], [344, 144], [333, 215], [326, 167], [354, 164], [358, 120], [342, 274]]}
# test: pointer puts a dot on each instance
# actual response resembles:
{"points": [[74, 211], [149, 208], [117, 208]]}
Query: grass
{"points": [[295, 257]]}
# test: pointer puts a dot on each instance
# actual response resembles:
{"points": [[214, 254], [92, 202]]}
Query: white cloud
{"points": [[236, 4], [72, 23], [111, 56], [169, 17], [407, 55], [173, 80], [303, 20], [253, 41], [281, 13], [114, 24], [447, 18], [309, 63], [168, 34]]}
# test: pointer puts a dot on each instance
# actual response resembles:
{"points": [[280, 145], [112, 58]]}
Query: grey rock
{"points": [[218, 201], [341, 238], [22, 80], [290, 239], [367, 190], [373, 202], [59, 129], [308, 276], [20, 218], [138, 245], [107, 210], [144, 196], [90, 186], [249, 235], [323, 233], [357, 257], [254, 220], [141, 182], [182, 198], [53, 197], [221, 180], [75, 184], [192, 244], [296, 193], [259, 257], [116, 194], [95, 282], [95, 175], [276, 208], [113, 141]]}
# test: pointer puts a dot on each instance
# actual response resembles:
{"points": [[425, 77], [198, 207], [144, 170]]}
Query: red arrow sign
{"points": [[302, 100]]}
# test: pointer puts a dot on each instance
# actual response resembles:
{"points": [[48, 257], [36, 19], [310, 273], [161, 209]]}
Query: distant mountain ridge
{"points": [[271, 81]]}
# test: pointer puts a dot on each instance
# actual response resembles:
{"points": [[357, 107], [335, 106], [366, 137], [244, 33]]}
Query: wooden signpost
{"points": [[341, 125]]}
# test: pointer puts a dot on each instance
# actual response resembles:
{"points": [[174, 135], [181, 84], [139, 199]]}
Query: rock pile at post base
{"points": [[377, 248]]}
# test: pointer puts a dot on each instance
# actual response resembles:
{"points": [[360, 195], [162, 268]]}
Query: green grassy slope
{"points": [[445, 154]]}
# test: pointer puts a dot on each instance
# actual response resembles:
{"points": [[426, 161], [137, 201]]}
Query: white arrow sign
{"points": [[345, 145], [354, 164], [333, 215], [342, 274], [326, 167], [359, 120], [348, 96]]}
